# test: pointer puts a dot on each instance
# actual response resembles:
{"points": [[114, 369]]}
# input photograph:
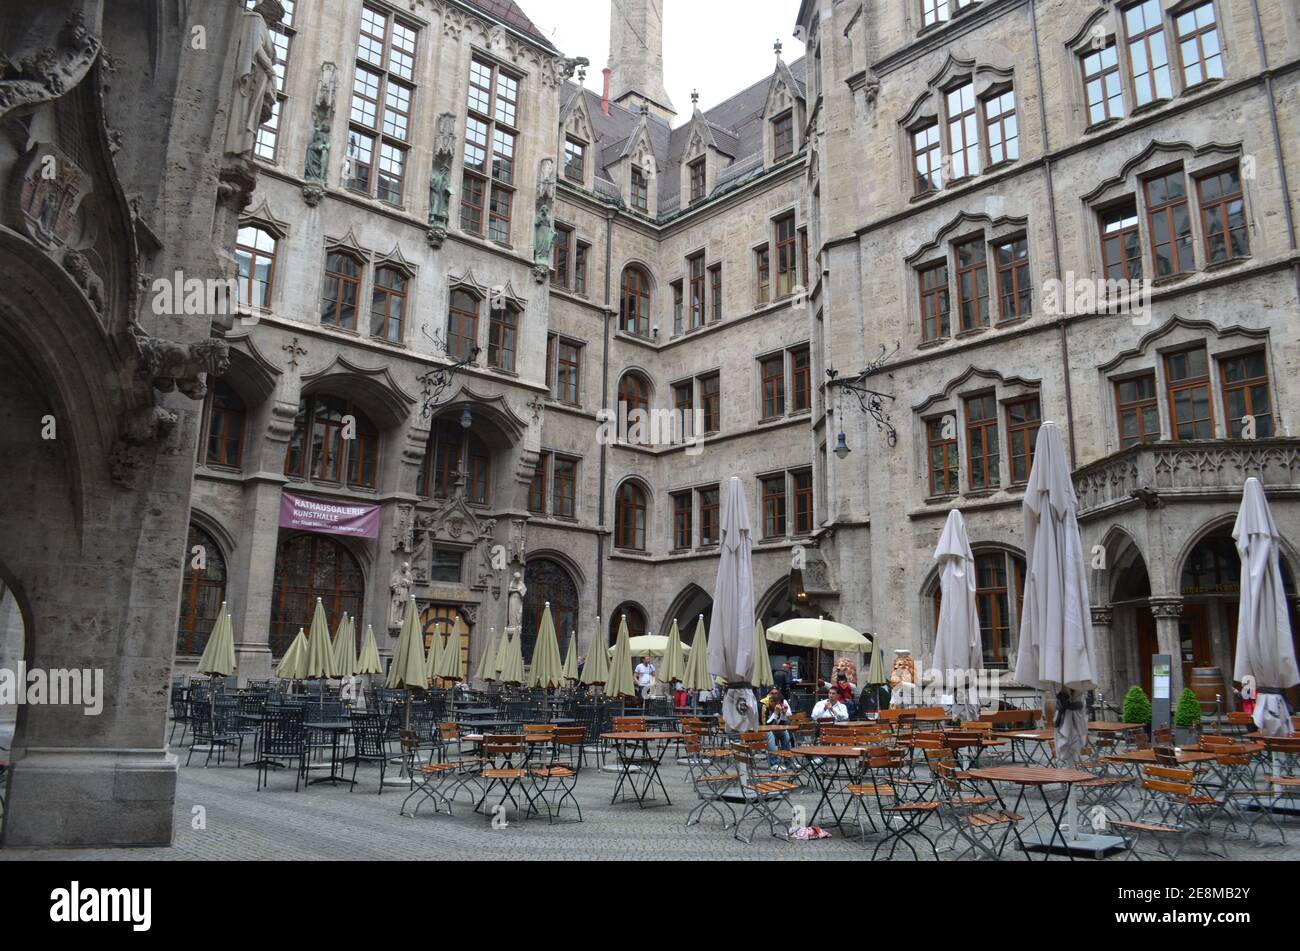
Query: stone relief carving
{"points": [[455, 524], [180, 366], [404, 528], [47, 74]]}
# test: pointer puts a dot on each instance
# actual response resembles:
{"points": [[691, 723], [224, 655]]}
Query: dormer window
{"points": [[783, 136], [697, 179], [575, 160], [640, 191]]}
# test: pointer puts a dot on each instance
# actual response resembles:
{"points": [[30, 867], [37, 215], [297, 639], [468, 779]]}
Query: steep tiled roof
{"points": [[508, 12], [736, 125]]}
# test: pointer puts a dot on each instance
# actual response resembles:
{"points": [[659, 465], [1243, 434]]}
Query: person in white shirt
{"points": [[645, 676], [831, 708]]}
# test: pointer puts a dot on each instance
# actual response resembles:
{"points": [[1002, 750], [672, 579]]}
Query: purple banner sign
{"points": [[329, 518]]}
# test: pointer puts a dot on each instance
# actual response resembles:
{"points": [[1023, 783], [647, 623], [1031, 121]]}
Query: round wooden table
{"points": [[1033, 777]]}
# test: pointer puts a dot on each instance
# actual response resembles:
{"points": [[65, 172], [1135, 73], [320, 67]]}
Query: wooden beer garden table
{"points": [[633, 750], [1032, 777], [842, 757]]}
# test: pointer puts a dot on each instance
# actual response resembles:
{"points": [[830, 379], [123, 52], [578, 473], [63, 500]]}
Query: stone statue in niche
{"points": [[515, 604], [253, 100], [400, 586], [440, 180], [543, 238], [318, 154], [316, 168]]}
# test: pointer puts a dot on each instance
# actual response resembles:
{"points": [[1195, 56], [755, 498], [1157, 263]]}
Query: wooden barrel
{"points": [[1206, 683]]}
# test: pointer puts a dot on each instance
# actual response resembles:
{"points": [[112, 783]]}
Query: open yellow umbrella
{"points": [[218, 658], [762, 675], [451, 665], [570, 671], [545, 669], [368, 662], [820, 634], [596, 670], [620, 666], [488, 659], [510, 659], [673, 665], [345, 647], [320, 657], [294, 659], [408, 667], [697, 675]]}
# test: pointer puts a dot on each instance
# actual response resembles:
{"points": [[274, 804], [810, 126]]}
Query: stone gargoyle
{"points": [[180, 366]]}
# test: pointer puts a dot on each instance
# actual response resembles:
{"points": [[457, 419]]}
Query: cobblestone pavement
{"points": [[331, 823]]}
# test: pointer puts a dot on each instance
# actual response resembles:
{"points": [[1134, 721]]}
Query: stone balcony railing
{"points": [[1173, 470]]}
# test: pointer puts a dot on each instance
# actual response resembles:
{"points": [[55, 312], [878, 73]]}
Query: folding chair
{"points": [[899, 817], [554, 783], [759, 795], [984, 830], [503, 759], [1182, 808]]}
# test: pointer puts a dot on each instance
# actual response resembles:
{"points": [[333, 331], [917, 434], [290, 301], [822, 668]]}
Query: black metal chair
{"points": [[283, 738], [211, 734], [180, 715], [369, 732]]}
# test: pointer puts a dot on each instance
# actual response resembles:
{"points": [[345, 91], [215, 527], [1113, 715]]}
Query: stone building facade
{"points": [[459, 263], [125, 144]]}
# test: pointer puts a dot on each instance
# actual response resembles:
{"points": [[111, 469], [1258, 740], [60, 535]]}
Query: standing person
{"points": [[777, 711], [784, 679], [645, 677]]}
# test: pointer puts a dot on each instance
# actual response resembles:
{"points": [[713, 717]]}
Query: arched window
{"points": [[308, 567], [388, 305], [319, 451], [548, 581], [634, 309], [999, 594], [341, 291], [462, 325], [202, 591], [450, 445], [635, 620], [630, 517], [226, 414], [255, 257], [633, 395]]}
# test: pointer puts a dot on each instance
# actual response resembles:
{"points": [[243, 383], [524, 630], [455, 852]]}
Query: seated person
{"points": [[776, 710], [831, 708]]}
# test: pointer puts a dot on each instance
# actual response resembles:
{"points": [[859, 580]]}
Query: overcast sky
{"points": [[716, 46]]}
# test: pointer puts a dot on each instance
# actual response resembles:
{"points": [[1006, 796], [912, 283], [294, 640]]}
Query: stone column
{"points": [[1101, 638], [254, 563], [1167, 612]]}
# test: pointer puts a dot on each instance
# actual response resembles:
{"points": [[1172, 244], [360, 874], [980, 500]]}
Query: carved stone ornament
{"points": [[47, 74], [1166, 608], [172, 366], [455, 523]]}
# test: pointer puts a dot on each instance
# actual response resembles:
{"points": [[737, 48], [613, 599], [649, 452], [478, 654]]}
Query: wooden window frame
{"points": [[1168, 210], [230, 453], [564, 487], [800, 379], [962, 126], [1196, 36], [786, 237], [634, 294], [927, 150], [710, 513], [771, 372], [1176, 387], [630, 512], [783, 136], [1101, 76], [1029, 428], [340, 282], [1144, 38], [1245, 387], [999, 123], [1119, 213], [763, 263], [1138, 408], [951, 458], [492, 188], [1017, 269], [575, 156], [639, 191], [393, 297], [715, 291], [987, 463], [1222, 204], [939, 317], [978, 270], [468, 318], [711, 402], [802, 497], [683, 517], [503, 337], [379, 134], [256, 254], [697, 170], [773, 491]]}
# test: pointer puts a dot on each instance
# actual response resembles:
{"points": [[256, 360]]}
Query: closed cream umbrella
{"points": [[218, 658], [320, 655], [696, 676], [570, 671], [368, 661], [596, 670], [958, 645], [673, 666], [620, 682], [1265, 650], [345, 647], [500, 662], [294, 660], [653, 645], [487, 660], [434, 656], [511, 658], [408, 670], [451, 664], [545, 670], [731, 626], [762, 676]]}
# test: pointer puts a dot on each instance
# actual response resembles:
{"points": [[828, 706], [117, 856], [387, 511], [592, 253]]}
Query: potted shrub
{"points": [[1137, 707], [1187, 717]]}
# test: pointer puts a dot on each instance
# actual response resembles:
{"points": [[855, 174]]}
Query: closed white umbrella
{"points": [[1056, 651], [1265, 651], [731, 628], [958, 649]]}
